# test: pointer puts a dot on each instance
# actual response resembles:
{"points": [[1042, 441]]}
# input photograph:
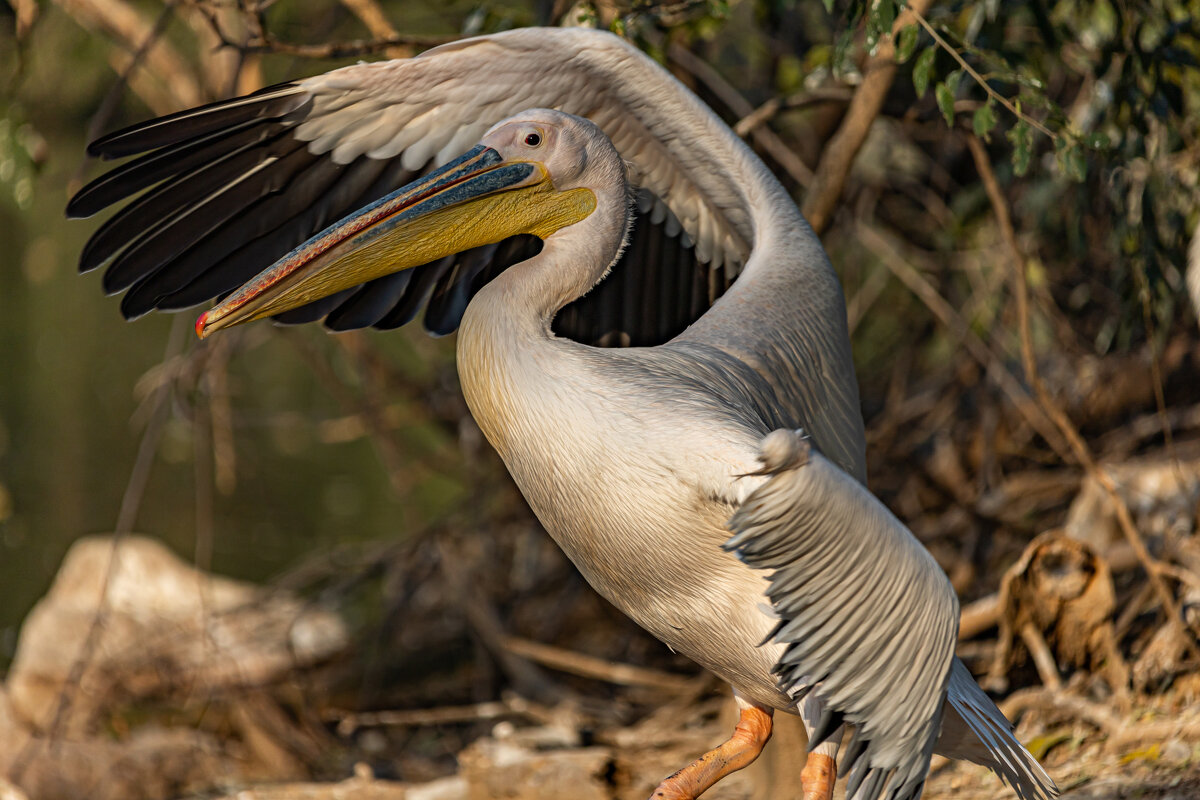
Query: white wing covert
{"points": [[868, 619]]}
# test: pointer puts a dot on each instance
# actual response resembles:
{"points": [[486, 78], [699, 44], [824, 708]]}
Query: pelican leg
{"points": [[820, 770], [739, 751]]}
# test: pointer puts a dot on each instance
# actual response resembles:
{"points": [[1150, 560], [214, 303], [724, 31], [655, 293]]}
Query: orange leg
{"points": [[748, 739], [818, 776]]}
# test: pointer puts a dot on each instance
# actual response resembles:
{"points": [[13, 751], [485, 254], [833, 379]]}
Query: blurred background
{"points": [[1056, 139]]}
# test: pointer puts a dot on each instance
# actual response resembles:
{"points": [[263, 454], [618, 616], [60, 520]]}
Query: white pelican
{"points": [[638, 460]]}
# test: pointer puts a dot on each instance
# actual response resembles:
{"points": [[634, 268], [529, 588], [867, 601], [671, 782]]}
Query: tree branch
{"points": [[839, 154]]}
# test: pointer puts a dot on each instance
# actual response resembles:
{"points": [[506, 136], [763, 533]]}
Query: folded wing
{"points": [[224, 190], [868, 619]]}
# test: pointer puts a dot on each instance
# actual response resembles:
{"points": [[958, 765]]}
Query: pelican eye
{"points": [[533, 139]]}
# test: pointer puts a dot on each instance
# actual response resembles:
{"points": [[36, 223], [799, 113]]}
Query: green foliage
{"points": [[945, 95], [1020, 136], [1110, 90], [984, 120], [923, 69], [906, 43]]}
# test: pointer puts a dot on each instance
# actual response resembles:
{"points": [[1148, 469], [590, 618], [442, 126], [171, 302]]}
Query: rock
{"points": [[152, 764], [165, 626], [504, 770], [1162, 495], [359, 788], [454, 787]]}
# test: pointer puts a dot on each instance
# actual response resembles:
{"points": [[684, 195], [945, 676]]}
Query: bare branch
{"points": [[841, 150], [958, 326], [165, 82], [371, 15], [761, 136], [269, 44]]}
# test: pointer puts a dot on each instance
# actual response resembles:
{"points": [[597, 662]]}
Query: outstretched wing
{"points": [[228, 188], [868, 619]]}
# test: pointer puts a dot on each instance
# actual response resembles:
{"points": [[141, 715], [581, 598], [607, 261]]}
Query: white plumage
{"points": [[636, 460]]}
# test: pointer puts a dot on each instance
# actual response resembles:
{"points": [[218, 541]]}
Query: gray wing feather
{"points": [[868, 618], [970, 711]]}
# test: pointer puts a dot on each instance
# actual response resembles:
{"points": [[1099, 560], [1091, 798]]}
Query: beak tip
{"points": [[200, 321]]}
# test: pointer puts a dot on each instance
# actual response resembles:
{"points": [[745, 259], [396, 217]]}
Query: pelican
{"points": [[544, 191]]}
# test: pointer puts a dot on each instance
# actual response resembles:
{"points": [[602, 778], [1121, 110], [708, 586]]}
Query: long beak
{"points": [[476, 199]]}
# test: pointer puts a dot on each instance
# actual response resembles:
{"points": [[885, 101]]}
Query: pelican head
{"points": [[532, 173]]}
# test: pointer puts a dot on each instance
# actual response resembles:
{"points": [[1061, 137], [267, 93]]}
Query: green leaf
{"points": [[886, 9], [829, 6], [1072, 159], [983, 121], [923, 69], [907, 43], [1021, 138], [945, 95]]}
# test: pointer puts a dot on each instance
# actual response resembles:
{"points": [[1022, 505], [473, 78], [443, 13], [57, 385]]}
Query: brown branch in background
{"points": [[1043, 659], [360, 47], [371, 15], [596, 668], [1045, 698], [112, 98], [793, 102], [732, 99], [958, 326], [980, 615], [839, 153], [1079, 448], [259, 40], [527, 677], [27, 13], [165, 83], [228, 71]]}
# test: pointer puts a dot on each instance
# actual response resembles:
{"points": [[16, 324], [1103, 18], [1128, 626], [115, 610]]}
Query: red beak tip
{"points": [[200, 324]]}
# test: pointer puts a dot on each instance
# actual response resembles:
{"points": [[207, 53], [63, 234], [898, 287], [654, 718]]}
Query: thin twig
{"points": [[385, 446], [999, 98], [958, 326], [759, 116], [763, 137], [1078, 446], [348, 723], [359, 47], [596, 668]]}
